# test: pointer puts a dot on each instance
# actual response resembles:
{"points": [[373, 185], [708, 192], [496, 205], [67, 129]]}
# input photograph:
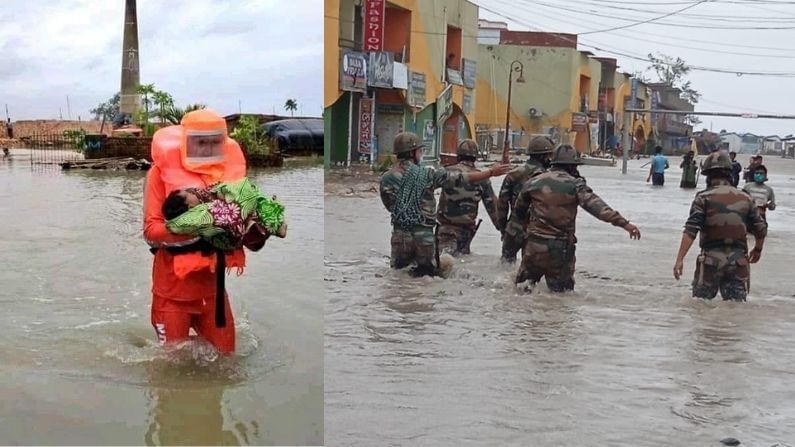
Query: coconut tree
{"points": [[291, 105], [164, 102], [174, 114], [146, 90]]}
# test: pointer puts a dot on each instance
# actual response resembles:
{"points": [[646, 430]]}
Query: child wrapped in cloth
{"points": [[222, 213]]}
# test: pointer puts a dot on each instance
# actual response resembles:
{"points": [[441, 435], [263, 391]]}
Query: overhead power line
{"points": [[712, 17], [654, 21], [739, 72], [649, 20], [689, 47]]}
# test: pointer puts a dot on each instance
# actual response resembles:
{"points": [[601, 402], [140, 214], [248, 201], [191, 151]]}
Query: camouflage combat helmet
{"points": [[540, 145], [565, 154], [467, 148], [406, 142], [715, 161]]}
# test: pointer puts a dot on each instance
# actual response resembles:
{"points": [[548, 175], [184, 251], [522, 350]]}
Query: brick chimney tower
{"points": [[130, 76]]}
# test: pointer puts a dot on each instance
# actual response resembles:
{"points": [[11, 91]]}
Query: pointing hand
{"points": [[500, 169], [633, 231]]}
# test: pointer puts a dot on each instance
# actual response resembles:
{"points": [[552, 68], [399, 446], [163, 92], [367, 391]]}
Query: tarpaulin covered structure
{"points": [[298, 134]]}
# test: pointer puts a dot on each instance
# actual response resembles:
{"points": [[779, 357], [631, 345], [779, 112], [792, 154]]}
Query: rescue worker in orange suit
{"points": [[188, 275]]}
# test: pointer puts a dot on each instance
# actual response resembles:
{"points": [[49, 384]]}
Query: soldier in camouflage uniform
{"points": [[548, 202], [407, 192], [513, 230], [724, 215], [458, 205]]}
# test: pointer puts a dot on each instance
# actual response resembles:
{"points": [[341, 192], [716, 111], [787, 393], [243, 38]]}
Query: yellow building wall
{"points": [[427, 44], [552, 84], [331, 52], [547, 87], [429, 21], [624, 89]]}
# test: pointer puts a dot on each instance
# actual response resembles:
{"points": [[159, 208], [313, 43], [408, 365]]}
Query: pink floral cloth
{"points": [[227, 216]]}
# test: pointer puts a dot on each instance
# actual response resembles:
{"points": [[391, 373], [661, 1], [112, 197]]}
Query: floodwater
{"points": [[80, 364], [628, 358]]}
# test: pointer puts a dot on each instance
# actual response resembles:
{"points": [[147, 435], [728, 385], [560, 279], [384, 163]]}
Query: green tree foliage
{"points": [[291, 105], [77, 138], [109, 110], [673, 71], [173, 114], [248, 133]]}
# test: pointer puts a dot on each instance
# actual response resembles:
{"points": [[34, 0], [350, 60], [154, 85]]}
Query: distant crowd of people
{"points": [[754, 175]]}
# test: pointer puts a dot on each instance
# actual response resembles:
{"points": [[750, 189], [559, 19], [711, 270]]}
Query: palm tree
{"points": [[291, 105], [164, 102], [174, 114], [146, 90]]}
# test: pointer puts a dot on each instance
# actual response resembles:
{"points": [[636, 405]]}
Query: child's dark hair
{"points": [[174, 205]]}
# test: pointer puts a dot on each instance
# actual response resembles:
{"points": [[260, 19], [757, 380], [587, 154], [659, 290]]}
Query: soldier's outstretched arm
{"points": [[442, 177], [597, 207], [492, 205], [493, 171]]}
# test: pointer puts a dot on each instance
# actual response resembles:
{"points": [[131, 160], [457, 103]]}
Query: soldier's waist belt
{"points": [[424, 222], [567, 239], [466, 226], [723, 245]]}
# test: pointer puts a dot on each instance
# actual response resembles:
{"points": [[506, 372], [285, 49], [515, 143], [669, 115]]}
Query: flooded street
{"points": [[80, 364], [629, 358]]}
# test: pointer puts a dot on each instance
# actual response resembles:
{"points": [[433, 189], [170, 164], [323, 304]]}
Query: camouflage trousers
{"points": [[455, 239], [417, 246], [724, 270], [514, 239], [552, 259]]}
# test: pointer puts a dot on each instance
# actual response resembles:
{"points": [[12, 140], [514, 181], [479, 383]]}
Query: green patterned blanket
{"points": [[224, 221]]}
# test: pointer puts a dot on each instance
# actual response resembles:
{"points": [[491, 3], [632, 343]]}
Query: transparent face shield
{"points": [[204, 147]]}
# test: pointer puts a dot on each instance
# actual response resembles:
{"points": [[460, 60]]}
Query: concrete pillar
{"points": [[130, 76]]}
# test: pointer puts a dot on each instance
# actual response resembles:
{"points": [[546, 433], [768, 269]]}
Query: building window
{"points": [[358, 31]]}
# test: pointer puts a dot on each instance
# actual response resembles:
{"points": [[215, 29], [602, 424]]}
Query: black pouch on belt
{"points": [[561, 250]]}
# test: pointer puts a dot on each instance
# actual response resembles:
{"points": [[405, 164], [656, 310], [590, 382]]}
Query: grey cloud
{"points": [[219, 55]]}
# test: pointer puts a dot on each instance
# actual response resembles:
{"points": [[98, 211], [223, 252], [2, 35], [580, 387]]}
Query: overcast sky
{"points": [[216, 52], [684, 35]]}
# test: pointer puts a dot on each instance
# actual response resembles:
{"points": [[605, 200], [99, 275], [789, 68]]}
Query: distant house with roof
{"points": [[772, 145], [788, 146], [734, 139], [751, 144]]}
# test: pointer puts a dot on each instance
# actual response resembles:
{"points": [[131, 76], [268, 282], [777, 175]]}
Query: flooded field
{"points": [[79, 359], [629, 358]]}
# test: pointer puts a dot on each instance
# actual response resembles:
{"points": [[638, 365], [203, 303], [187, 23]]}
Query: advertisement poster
{"points": [[428, 136], [579, 122], [374, 25], [365, 125], [444, 104], [470, 73], [466, 107], [353, 76], [417, 89], [381, 70]]}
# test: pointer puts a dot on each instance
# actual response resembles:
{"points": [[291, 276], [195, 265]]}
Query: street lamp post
{"points": [[520, 68]]}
